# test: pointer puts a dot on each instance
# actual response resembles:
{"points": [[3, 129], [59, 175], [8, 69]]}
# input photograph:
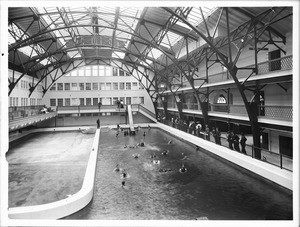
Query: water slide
{"points": [[130, 118]]}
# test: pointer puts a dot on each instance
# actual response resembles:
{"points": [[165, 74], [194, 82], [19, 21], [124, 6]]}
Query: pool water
{"points": [[46, 167], [210, 189]]}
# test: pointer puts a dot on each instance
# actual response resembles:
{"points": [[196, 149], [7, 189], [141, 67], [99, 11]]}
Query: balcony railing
{"points": [[277, 112], [280, 160], [18, 112], [279, 64], [273, 112]]}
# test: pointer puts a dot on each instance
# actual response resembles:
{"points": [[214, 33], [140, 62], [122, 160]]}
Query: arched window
{"points": [[221, 99]]}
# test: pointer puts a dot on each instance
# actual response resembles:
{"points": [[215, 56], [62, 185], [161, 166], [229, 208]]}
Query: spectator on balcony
{"points": [[243, 142], [118, 103], [230, 139], [236, 142], [121, 104]]}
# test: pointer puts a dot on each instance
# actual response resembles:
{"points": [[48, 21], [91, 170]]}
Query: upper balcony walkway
{"points": [[21, 117], [271, 70]]}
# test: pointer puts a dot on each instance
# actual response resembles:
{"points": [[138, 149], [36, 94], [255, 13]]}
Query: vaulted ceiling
{"points": [[43, 38]]}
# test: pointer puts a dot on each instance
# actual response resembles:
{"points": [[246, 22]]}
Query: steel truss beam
{"points": [[231, 64], [25, 42]]}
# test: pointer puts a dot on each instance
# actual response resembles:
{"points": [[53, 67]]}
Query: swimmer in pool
{"points": [[125, 146], [117, 169], [117, 134], [156, 161], [165, 152], [153, 156], [144, 134], [123, 184], [183, 169], [184, 156], [136, 155], [124, 174]]}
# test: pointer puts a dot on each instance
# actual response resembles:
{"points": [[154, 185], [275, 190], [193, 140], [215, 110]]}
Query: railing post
{"points": [[280, 161], [252, 150]]}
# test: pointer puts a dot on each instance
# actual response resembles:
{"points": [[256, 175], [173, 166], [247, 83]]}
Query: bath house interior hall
{"points": [[150, 113]]}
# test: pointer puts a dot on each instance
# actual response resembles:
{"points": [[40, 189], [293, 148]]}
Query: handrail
{"points": [[184, 127], [143, 108]]}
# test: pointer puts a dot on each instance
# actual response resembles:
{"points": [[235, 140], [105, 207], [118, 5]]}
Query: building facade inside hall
{"points": [[195, 70]]}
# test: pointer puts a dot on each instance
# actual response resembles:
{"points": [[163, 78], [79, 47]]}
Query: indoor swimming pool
{"points": [[154, 188], [46, 167]]}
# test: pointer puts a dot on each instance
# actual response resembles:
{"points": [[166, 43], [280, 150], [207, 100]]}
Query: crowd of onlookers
{"points": [[235, 142]]}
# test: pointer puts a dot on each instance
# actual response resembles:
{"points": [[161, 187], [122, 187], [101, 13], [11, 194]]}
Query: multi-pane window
{"points": [[67, 86], [74, 73], [88, 101], [115, 86], [108, 71], [87, 71], [128, 100], [134, 86], [134, 100], [115, 100], [75, 102], [128, 86], [60, 86], [81, 101], [81, 86], [67, 102], [115, 71], [95, 101], [108, 86], [122, 86], [53, 88], [142, 100], [74, 86], [60, 102], [121, 73], [101, 70], [95, 70], [81, 71], [52, 102], [221, 99], [88, 86], [95, 86], [102, 86]]}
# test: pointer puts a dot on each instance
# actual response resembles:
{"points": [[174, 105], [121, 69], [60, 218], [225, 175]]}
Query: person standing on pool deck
{"points": [[243, 142], [236, 142], [98, 123]]}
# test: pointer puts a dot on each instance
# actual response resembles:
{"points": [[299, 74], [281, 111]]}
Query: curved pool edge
{"points": [[70, 205]]}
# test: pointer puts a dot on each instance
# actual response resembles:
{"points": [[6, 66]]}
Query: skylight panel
{"points": [[170, 39], [195, 16], [117, 54], [27, 50], [154, 53]]}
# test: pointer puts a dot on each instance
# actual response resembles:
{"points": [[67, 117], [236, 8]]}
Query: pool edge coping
{"points": [[72, 204]]}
